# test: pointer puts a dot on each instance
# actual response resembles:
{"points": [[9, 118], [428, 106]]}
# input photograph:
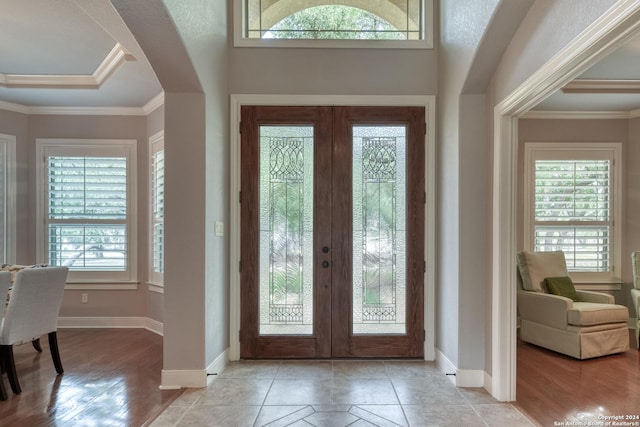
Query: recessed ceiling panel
{"points": [[50, 37]]}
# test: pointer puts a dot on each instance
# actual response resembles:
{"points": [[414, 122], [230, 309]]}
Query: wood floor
{"points": [[111, 378], [552, 388]]}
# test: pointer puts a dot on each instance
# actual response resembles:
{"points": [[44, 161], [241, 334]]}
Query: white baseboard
{"points": [[470, 378], [446, 366], [183, 378], [112, 322], [488, 383], [174, 379], [217, 367], [460, 377]]}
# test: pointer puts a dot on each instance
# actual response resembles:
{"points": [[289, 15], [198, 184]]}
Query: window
{"points": [[7, 198], [345, 23], [156, 223], [571, 205], [86, 194]]}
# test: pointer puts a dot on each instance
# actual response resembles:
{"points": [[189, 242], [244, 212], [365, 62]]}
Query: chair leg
{"points": [[55, 353], [6, 353], [36, 344], [3, 392]]}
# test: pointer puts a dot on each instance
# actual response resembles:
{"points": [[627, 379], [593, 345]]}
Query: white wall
{"points": [[203, 27], [457, 51]]}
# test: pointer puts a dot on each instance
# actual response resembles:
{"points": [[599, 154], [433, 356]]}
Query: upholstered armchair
{"points": [[635, 294], [556, 316]]}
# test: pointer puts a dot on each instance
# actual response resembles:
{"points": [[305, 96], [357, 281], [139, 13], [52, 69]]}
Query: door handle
{"points": [[325, 264], [325, 249]]}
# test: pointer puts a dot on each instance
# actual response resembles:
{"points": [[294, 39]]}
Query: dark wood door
{"points": [[332, 238]]}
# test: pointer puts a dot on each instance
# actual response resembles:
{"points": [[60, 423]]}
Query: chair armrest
{"points": [[598, 297], [546, 309]]}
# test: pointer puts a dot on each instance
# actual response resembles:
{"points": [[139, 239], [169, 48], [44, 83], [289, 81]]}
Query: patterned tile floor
{"points": [[336, 393]]}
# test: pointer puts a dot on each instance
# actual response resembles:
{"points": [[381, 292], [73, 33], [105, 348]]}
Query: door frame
{"points": [[237, 101]]}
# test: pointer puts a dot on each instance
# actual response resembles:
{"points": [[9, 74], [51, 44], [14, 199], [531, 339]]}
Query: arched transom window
{"points": [[395, 20]]}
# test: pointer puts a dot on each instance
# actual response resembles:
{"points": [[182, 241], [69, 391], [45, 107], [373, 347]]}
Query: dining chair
{"points": [[5, 282], [32, 311]]}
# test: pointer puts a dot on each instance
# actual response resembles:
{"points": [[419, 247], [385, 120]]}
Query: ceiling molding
{"points": [[114, 59], [145, 110], [88, 111], [16, 108], [156, 102], [602, 86], [579, 115]]}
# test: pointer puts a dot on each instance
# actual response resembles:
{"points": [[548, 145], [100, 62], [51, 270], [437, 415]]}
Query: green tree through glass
{"points": [[334, 22]]}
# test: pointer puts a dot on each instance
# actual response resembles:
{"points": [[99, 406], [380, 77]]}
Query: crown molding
{"points": [[579, 115], [109, 65], [88, 111], [602, 86], [145, 110], [154, 103], [16, 108]]}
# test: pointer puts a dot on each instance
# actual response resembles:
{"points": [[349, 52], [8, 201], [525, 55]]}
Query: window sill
{"points": [[598, 286], [334, 44], [86, 285]]}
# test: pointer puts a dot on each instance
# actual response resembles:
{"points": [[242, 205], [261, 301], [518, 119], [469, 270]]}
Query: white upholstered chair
{"points": [[556, 316], [5, 282], [635, 294], [32, 311]]}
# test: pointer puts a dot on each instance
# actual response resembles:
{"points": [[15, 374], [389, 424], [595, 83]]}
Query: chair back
{"points": [[5, 282], [534, 267], [635, 265], [34, 304]]}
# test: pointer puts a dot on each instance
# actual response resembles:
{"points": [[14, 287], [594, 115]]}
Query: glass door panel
{"points": [[379, 229], [286, 230]]}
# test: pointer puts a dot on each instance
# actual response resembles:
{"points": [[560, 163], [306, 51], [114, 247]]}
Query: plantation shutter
{"points": [[3, 203], [573, 211], [158, 210], [87, 212]]}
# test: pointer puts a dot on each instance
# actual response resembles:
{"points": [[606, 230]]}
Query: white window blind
{"points": [[571, 206], [7, 198], [87, 212], [3, 203], [157, 194], [86, 199], [573, 211]]}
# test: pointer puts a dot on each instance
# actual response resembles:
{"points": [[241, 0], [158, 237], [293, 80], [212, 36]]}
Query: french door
{"points": [[332, 232]]}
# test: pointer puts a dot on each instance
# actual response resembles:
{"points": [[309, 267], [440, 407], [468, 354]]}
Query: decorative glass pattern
{"points": [[379, 229], [286, 230], [346, 19]]}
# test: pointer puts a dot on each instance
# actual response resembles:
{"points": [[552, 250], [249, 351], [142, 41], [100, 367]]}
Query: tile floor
{"points": [[337, 393]]}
